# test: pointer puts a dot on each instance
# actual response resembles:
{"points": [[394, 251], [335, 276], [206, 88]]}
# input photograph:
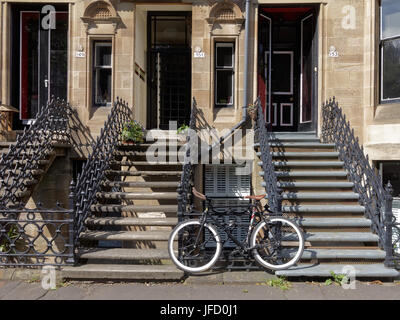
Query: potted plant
{"points": [[252, 110], [182, 131], [133, 132]]}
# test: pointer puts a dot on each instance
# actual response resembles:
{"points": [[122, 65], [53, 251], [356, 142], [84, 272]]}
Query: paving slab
{"points": [[26, 291]]}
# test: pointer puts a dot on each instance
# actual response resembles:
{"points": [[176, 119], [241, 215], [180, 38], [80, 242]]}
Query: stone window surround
{"points": [[90, 45], [229, 39]]}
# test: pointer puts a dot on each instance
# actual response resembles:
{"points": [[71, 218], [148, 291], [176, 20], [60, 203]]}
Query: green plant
{"points": [[182, 128], [12, 234], [133, 131], [337, 279], [280, 283]]}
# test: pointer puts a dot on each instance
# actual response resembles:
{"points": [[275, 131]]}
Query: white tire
{"points": [[298, 248], [173, 253]]}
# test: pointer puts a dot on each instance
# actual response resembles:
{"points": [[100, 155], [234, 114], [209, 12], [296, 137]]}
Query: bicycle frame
{"points": [[243, 245]]}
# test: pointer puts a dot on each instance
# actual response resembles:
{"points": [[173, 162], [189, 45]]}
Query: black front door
{"points": [[169, 81], [287, 78]]}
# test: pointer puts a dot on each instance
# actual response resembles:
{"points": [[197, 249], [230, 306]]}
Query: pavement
{"points": [[86, 290]]}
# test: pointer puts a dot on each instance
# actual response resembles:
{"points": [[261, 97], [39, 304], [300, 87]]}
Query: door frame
{"points": [[313, 124], [152, 118]]}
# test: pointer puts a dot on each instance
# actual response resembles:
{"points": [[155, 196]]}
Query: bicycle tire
{"points": [[296, 256], [181, 264]]}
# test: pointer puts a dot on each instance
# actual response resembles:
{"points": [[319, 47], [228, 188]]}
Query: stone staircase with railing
{"points": [[129, 226], [319, 196]]}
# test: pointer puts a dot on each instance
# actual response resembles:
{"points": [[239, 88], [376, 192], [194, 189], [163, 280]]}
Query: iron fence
{"points": [[376, 199]]}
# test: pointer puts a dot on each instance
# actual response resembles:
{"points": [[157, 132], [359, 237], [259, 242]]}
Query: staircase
{"points": [[17, 168], [127, 232], [319, 196]]}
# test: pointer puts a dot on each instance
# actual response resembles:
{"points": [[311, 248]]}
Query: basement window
{"points": [[224, 73]]}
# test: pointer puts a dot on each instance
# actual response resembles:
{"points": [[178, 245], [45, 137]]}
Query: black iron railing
{"points": [[186, 183], [18, 165], [35, 237], [274, 193], [373, 196], [93, 171]]}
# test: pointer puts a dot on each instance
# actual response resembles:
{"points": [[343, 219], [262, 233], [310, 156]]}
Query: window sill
{"points": [[387, 113]]}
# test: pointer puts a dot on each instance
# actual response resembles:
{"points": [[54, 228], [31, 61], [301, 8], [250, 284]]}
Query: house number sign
{"points": [[333, 52]]}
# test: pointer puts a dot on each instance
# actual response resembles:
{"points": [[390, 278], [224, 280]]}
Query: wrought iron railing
{"points": [[93, 171], [18, 165], [274, 193], [186, 183], [35, 237], [373, 196]]}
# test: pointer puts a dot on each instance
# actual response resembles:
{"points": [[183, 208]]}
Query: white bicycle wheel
{"points": [[189, 256], [278, 243]]}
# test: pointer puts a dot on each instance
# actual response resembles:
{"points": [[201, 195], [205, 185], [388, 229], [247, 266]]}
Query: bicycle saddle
{"points": [[258, 198]]}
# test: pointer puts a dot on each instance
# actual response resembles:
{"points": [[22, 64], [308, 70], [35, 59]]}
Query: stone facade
{"points": [[351, 27]]}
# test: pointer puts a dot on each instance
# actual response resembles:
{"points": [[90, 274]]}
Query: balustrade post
{"points": [[72, 212], [388, 223]]}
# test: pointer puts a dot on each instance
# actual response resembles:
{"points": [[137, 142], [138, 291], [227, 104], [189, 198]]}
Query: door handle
{"points": [[46, 83]]}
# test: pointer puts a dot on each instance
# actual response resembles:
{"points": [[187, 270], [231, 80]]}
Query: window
{"points": [[224, 74], [228, 189], [102, 73], [390, 50]]}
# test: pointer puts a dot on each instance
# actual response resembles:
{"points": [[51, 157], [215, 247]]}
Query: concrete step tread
{"points": [[320, 196], [307, 163], [341, 237], [143, 173], [145, 163], [132, 221], [343, 254], [334, 222], [123, 254], [313, 184], [141, 184], [137, 195], [324, 208], [314, 173], [298, 144], [331, 154], [133, 208], [123, 271], [126, 235], [324, 270]]}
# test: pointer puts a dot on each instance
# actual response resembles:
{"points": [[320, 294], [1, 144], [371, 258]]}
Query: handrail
{"points": [[186, 182], [51, 125], [93, 171], [373, 196], [274, 193]]}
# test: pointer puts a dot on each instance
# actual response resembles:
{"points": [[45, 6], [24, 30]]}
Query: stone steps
{"points": [[123, 272], [124, 254], [143, 173], [130, 221], [126, 235], [116, 208], [334, 222], [140, 184], [325, 254], [302, 164], [323, 208], [340, 237], [320, 198], [375, 271], [137, 195]]}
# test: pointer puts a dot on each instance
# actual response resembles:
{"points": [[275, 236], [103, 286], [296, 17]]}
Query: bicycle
{"points": [[275, 242]]}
